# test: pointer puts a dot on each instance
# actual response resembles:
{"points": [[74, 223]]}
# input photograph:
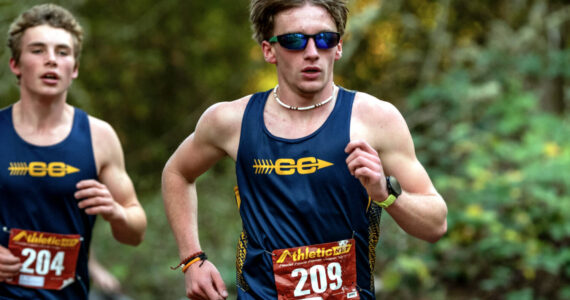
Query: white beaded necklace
{"points": [[304, 107]]}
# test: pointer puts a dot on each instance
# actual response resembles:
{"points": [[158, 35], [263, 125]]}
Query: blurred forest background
{"points": [[484, 86]]}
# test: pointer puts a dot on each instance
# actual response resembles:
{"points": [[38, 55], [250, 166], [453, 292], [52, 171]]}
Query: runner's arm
{"points": [[197, 153], [113, 196], [387, 149]]}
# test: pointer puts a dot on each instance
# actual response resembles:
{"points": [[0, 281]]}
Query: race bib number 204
{"points": [[48, 259], [323, 271]]}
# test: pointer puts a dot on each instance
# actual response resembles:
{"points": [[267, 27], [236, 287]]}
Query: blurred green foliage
{"points": [[483, 85]]}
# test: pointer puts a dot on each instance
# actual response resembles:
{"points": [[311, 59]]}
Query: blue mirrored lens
{"points": [[293, 41], [326, 40], [298, 41]]}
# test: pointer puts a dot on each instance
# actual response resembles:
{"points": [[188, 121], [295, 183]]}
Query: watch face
{"points": [[395, 186]]}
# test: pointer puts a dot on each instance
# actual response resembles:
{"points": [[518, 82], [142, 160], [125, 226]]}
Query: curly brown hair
{"points": [[44, 14]]}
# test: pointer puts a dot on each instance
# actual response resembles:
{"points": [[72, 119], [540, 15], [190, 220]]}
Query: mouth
{"points": [[311, 70], [50, 76], [311, 73]]}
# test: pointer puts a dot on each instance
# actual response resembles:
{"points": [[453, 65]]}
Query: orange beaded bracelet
{"points": [[201, 257], [187, 259]]}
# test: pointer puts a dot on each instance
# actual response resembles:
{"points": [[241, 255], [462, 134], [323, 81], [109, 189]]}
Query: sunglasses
{"points": [[298, 41]]}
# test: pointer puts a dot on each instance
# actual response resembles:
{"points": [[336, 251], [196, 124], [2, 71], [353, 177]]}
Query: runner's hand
{"points": [[364, 163], [9, 264], [96, 199], [203, 282]]}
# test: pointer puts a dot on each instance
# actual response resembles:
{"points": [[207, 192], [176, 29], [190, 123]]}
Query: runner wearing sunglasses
{"points": [[315, 164]]}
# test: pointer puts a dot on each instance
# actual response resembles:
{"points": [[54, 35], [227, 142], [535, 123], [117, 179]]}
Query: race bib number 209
{"points": [[323, 271], [48, 259]]}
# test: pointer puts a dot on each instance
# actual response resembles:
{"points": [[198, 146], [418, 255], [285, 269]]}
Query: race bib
{"points": [[323, 271], [48, 259]]}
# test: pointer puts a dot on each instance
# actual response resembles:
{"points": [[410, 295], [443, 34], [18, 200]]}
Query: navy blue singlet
{"points": [[36, 193], [297, 192]]}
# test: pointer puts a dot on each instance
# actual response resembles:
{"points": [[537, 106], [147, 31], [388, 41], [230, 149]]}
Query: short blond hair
{"points": [[262, 14]]}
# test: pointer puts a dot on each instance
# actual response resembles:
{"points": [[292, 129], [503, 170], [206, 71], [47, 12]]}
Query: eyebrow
{"points": [[42, 44]]}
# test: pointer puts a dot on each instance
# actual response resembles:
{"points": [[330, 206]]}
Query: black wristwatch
{"points": [[394, 190]]}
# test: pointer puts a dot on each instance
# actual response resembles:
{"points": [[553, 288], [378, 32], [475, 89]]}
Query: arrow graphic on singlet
{"points": [[266, 166], [59, 168], [18, 168], [320, 164], [70, 169]]}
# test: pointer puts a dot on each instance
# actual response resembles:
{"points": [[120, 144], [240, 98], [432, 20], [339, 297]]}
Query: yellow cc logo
{"points": [[288, 166], [42, 169]]}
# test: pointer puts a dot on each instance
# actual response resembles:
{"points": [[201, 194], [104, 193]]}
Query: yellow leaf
{"points": [[551, 149], [474, 210]]}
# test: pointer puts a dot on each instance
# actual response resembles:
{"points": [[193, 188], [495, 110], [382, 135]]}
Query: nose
{"points": [[311, 50], [50, 58]]}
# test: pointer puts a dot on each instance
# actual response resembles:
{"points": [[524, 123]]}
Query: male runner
{"points": [[312, 161], [59, 167]]}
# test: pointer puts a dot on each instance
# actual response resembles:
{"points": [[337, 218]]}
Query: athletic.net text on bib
{"points": [[323, 271], [48, 259]]}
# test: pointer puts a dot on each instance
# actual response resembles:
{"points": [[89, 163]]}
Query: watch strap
{"points": [[386, 203]]}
